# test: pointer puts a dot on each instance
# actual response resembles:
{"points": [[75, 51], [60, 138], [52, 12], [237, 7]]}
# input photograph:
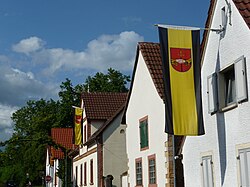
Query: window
{"points": [[91, 172], [144, 133], [151, 171], [228, 87], [85, 174], [244, 163], [207, 171], [138, 171], [76, 176], [81, 175], [212, 93], [85, 133], [223, 17]]}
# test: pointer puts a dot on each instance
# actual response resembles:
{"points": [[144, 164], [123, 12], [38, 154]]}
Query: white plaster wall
{"points": [[95, 125], [145, 101], [114, 150], [84, 149], [56, 180], [224, 131], [49, 170], [78, 165]]}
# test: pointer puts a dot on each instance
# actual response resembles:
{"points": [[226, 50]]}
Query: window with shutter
{"points": [[232, 85], [143, 133], [207, 171], [244, 163], [212, 93], [226, 82], [240, 79]]}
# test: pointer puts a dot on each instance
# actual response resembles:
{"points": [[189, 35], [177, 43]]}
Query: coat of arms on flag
{"points": [[180, 59]]}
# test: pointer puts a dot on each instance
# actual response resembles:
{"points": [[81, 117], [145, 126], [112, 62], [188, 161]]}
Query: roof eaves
{"points": [[104, 126], [131, 86], [153, 71], [207, 25], [243, 7]]}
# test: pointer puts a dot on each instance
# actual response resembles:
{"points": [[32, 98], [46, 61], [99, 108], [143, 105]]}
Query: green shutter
{"points": [[144, 133]]}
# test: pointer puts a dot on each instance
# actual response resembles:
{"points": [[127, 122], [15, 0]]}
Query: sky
{"points": [[43, 42]]}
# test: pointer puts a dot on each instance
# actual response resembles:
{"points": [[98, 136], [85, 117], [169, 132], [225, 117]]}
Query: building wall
{"points": [[95, 125], [57, 182], [92, 155], [114, 150], [145, 101], [49, 170], [225, 131]]}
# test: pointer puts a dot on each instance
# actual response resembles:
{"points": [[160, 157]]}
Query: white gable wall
{"points": [[77, 164], [86, 154], [225, 131], [145, 101]]}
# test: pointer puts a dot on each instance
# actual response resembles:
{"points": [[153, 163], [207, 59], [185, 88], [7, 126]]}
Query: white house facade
{"points": [[89, 165], [221, 157], [146, 139]]}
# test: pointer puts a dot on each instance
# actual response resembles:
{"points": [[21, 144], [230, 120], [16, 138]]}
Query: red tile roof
{"points": [[244, 8], [62, 136], [152, 57], [101, 106], [105, 125]]}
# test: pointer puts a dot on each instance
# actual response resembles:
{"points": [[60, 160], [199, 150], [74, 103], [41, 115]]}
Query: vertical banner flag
{"points": [[180, 52], [78, 126]]}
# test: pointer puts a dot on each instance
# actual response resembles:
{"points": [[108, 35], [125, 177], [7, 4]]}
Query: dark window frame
{"points": [[144, 133]]}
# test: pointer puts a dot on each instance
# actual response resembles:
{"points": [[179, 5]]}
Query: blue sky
{"points": [[43, 42]]}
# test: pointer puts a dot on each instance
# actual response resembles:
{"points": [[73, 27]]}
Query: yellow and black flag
{"points": [[78, 126], [180, 51]]}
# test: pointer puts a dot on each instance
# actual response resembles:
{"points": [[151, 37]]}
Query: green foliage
{"points": [[25, 151], [61, 171], [69, 96], [113, 81]]}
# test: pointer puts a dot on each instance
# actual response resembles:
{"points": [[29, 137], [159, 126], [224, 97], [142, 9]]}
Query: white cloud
{"points": [[116, 51], [6, 129], [28, 45], [17, 86]]}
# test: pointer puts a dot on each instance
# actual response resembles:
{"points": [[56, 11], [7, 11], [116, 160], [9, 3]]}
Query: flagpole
{"points": [[174, 171], [188, 27]]}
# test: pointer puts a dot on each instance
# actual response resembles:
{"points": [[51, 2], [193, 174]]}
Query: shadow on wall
{"points": [[221, 132]]}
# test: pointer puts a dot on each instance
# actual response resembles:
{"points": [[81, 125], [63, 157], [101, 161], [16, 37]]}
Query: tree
{"points": [[113, 81], [25, 151], [69, 96]]}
